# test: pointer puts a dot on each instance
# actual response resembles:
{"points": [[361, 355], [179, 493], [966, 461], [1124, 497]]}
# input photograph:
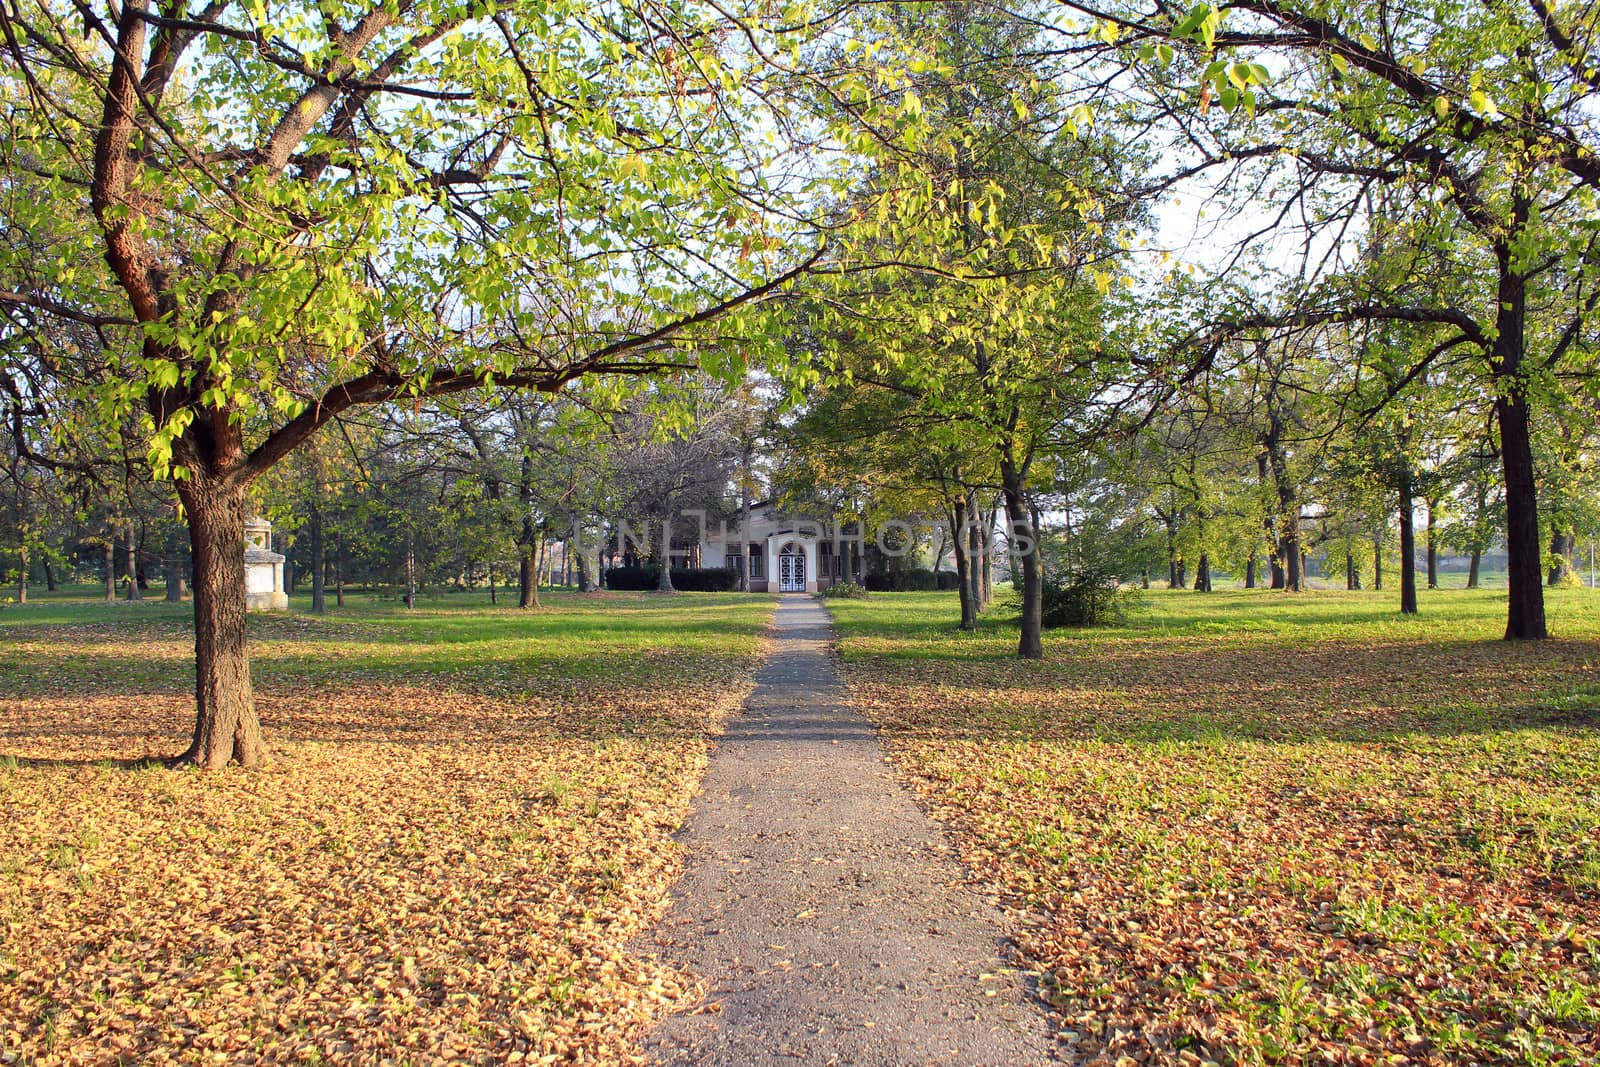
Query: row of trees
{"points": [[229, 230]]}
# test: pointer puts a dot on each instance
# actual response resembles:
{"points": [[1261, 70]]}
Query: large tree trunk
{"points": [[585, 583], [1525, 608], [1030, 645], [1408, 548], [1250, 571], [1473, 566], [1202, 574], [1352, 581], [226, 727], [319, 563], [527, 558]]}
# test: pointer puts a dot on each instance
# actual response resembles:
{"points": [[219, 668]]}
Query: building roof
{"points": [[252, 554]]}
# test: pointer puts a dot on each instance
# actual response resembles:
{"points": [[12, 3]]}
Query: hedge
{"points": [[684, 579]]}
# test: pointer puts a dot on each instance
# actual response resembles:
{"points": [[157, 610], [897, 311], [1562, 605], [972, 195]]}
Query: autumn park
{"points": [[979, 532]]}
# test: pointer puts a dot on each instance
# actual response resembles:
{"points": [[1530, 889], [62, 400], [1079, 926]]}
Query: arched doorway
{"points": [[792, 569]]}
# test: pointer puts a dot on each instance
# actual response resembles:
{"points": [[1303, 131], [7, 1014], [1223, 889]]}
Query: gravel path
{"points": [[821, 907]]}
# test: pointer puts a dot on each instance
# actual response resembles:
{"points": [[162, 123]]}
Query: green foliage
{"points": [[1083, 594], [684, 579], [845, 591]]}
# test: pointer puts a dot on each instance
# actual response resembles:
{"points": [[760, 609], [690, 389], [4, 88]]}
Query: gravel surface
{"points": [[823, 910]]}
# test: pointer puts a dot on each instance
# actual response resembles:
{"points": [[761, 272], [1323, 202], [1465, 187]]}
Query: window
{"points": [[758, 561]]}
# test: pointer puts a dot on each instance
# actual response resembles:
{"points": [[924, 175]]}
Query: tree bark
{"points": [[1561, 546], [49, 576], [133, 565], [494, 596], [1433, 544], [319, 563], [411, 570], [1202, 574], [664, 554], [1030, 645], [1352, 581], [969, 611], [1525, 608], [1250, 571], [1408, 547], [110, 554], [1473, 566], [1377, 564], [174, 570], [226, 727]]}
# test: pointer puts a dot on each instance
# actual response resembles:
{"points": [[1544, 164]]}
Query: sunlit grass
{"points": [[1271, 828]]}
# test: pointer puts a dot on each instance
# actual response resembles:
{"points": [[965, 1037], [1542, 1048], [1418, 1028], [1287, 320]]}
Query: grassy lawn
{"points": [[466, 819], [1256, 828]]}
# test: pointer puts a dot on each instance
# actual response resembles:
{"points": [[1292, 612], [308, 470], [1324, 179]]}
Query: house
{"points": [[787, 555]]}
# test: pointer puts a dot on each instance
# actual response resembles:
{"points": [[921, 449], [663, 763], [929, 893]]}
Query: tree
{"points": [[351, 204], [1475, 122]]}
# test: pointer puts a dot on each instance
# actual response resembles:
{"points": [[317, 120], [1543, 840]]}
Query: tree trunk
{"points": [[226, 727], [1525, 608], [49, 576], [969, 611], [1561, 546], [411, 570], [174, 570], [319, 563], [1030, 645], [1433, 545], [1472, 567], [1250, 571], [1408, 547], [585, 583], [338, 570], [1377, 564], [22, 574], [1182, 575], [494, 596], [1202, 574], [664, 555], [110, 555], [133, 565], [1351, 582]]}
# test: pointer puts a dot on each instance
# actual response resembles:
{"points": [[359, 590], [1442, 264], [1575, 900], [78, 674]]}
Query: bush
{"points": [[911, 581], [705, 579], [845, 591], [1083, 595], [684, 579]]}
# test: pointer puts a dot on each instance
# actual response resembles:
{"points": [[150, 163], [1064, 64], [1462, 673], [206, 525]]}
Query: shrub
{"points": [[845, 591], [909, 581], [1082, 595], [684, 579]]}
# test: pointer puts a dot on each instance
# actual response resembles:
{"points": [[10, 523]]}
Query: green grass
{"points": [[1271, 828]]}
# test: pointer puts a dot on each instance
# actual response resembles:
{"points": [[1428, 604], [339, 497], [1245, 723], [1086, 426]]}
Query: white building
{"points": [[786, 555], [263, 569]]}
